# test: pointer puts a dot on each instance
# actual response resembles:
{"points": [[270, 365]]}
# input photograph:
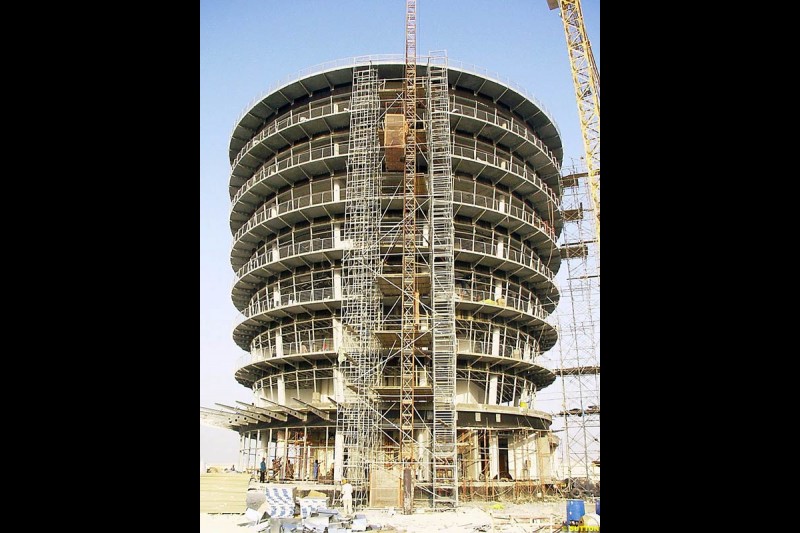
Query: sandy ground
{"points": [[463, 520]]}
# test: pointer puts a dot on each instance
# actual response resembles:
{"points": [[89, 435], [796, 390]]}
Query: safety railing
{"points": [[334, 149], [525, 256], [272, 256], [510, 124], [509, 164], [274, 209], [390, 58], [257, 355], [521, 304], [318, 109], [287, 300], [506, 206]]}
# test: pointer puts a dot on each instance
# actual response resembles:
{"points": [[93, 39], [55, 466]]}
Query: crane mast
{"points": [[586, 79]]}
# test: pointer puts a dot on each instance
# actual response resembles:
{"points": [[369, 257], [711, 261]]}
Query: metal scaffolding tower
{"points": [[358, 420], [409, 293], [579, 332], [445, 482]]}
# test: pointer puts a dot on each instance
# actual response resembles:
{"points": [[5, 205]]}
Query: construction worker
{"points": [[347, 497]]}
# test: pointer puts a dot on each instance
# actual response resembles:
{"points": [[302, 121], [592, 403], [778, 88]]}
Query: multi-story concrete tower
{"points": [[319, 216]]}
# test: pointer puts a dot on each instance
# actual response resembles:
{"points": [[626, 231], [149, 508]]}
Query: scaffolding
{"points": [[409, 293], [358, 422], [445, 479], [579, 344]]}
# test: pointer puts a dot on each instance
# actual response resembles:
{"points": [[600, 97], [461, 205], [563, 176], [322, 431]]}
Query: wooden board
{"points": [[223, 493]]}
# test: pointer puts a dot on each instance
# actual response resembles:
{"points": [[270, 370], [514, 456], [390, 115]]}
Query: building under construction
{"points": [[394, 249]]}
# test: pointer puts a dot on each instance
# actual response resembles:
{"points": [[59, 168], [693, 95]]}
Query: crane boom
{"points": [[586, 79]]}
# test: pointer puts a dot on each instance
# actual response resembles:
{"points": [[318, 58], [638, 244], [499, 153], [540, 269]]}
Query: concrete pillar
{"points": [[275, 255], [338, 456], [337, 233], [338, 386], [281, 390], [239, 457], [494, 455], [543, 458], [514, 457], [337, 285], [502, 204], [500, 246], [496, 341], [276, 294], [426, 231], [498, 289], [337, 190], [278, 343], [492, 390], [337, 333]]}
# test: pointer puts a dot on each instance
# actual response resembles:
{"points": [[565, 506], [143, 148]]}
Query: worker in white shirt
{"points": [[347, 497]]}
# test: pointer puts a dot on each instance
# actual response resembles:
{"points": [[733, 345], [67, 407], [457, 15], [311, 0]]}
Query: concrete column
{"points": [[278, 343], [543, 458], [338, 386], [337, 283], [276, 294], [494, 455], [275, 255], [281, 390], [337, 233], [514, 454], [498, 289], [337, 332], [500, 246], [337, 190], [426, 231], [492, 390], [502, 204], [495, 341], [338, 456]]}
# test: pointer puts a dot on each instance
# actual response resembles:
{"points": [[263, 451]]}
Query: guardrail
{"points": [[525, 258], [390, 58], [317, 109], [315, 154], [273, 209], [507, 123], [522, 213], [268, 256], [508, 164]]}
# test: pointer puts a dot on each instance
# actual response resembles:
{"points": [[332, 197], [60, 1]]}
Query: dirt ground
{"points": [[465, 519]]}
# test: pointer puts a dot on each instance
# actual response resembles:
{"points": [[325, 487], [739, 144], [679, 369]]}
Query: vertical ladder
{"points": [[357, 418], [409, 228], [445, 482]]}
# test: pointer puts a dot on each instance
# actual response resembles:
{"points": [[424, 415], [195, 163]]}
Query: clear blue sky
{"points": [[247, 45]]}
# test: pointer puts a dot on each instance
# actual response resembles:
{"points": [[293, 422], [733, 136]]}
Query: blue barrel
{"points": [[597, 506], [575, 509]]}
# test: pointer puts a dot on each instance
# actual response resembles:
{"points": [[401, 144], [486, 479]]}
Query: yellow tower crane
{"points": [[586, 80]]}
